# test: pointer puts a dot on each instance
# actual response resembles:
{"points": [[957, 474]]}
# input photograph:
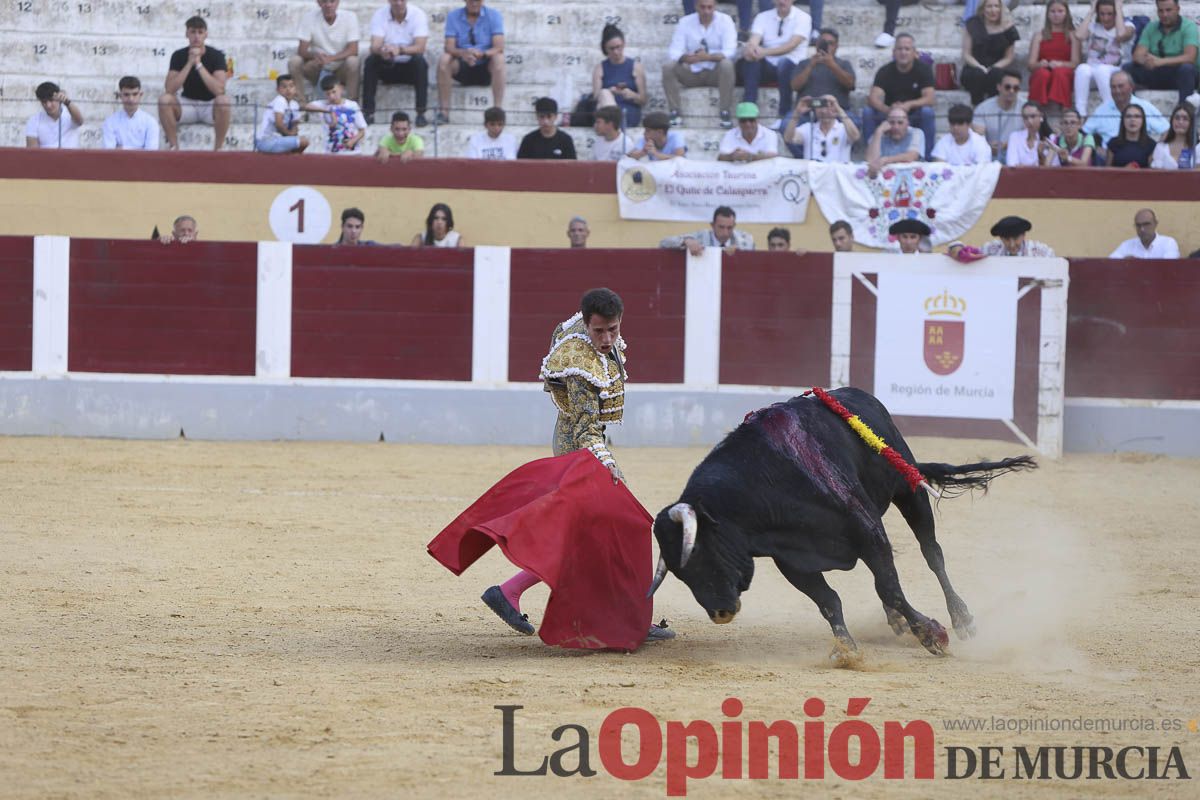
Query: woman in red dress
{"points": [[1053, 56]]}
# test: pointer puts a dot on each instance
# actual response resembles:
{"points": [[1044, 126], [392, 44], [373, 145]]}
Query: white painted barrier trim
{"points": [[490, 315], [51, 304], [273, 329], [702, 320]]}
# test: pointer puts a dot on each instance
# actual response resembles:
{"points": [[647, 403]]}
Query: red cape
{"points": [[563, 520]]}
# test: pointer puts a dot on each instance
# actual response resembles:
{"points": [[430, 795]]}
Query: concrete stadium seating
{"points": [[86, 45]]}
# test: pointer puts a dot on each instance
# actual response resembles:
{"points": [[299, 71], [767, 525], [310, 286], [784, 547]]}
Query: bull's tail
{"points": [[956, 479]]}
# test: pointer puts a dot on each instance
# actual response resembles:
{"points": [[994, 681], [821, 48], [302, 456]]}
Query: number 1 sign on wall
{"points": [[301, 215]]}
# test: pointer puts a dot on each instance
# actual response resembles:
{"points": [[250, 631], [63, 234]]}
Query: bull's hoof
{"points": [[965, 629], [845, 654], [932, 636], [896, 620]]}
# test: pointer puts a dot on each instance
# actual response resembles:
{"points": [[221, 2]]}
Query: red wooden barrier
{"points": [[1134, 329], [776, 319], [382, 312], [546, 287], [142, 307], [16, 303]]}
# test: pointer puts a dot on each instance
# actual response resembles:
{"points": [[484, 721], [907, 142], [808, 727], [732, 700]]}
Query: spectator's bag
{"points": [[584, 114], [945, 77]]}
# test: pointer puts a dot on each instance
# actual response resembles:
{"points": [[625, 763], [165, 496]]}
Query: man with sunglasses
{"points": [[749, 141], [701, 54], [830, 137], [998, 117], [1166, 53], [778, 42], [474, 54]]}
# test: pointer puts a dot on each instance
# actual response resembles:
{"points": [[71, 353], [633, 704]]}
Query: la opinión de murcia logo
{"points": [[633, 743], [945, 333]]}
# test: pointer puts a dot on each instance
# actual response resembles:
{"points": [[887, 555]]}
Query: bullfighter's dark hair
{"points": [[604, 302]]}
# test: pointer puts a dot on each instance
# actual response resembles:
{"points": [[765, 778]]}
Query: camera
{"points": [[819, 102], [823, 46]]}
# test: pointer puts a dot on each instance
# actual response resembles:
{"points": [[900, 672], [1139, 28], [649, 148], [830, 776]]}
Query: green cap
{"points": [[746, 111]]}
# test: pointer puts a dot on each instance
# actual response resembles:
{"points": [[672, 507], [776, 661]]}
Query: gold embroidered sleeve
{"points": [[584, 419]]}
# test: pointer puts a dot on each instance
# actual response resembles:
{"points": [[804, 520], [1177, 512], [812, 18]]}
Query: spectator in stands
{"points": [[779, 240], [830, 138], [474, 54], [130, 128], [1030, 147], [279, 131], [1107, 44], [578, 232], [1053, 56], [1166, 52], [183, 231], [353, 221], [894, 143], [493, 143], [1133, 145], [400, 142], [825, 73], [1177, 148], [962, 146], [997, 117], [547, 141], [399, 34], [328, 45], [618, 80], [194, 92], [909, 233], [1148, 243], [49, 127], [841, 236], [611, 142], [1070, 147], [903, 83], [891, 13], [701, 54], [988, 47], [344, 118], [778, 42], [1010, 241], [659, 142], [745, 11], [1105, 122], [439, 229], [722, 233], [749, 141]]}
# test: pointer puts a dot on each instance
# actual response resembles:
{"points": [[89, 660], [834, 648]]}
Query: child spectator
{"points": [[1107, 44], [280, 127], [492, 143], [130, 128], [1071, 147], [611, 142], [353, 221], [439, 229], [1030, 147], [344, 118], [547, 142], [659, 142], [50, 127], [962, 147], [1053, 56], [1132, 146], [400, 142]]}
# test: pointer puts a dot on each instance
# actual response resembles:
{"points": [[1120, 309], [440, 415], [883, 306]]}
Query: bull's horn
{"points": [[684, 515], [659, 574]]}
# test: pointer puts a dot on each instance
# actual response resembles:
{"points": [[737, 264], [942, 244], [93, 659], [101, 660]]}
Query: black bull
{"points": [[796, 484]]}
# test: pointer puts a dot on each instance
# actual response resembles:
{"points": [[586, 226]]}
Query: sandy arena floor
{"points": [[193, 619]]}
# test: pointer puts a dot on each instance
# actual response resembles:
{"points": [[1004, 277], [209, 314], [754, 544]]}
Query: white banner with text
{"points": [[774, 190]]}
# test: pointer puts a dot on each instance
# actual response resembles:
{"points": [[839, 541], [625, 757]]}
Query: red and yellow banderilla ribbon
{"points": [[910, 473]]}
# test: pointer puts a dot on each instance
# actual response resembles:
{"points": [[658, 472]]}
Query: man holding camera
{"points": [[824, 73], [829, 137]]}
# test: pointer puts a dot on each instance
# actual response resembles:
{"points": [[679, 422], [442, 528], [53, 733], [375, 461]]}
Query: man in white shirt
{"points": [[328, 44], [749, 141], [830, 138], [1148, 243], [701, 54], [130, 128], [962, 147], [778, 42], [492, 143], [50, 127], [399, 34], [611, 142]]}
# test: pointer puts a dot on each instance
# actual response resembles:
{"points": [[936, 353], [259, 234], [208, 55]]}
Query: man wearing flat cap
{"points": [[908, 233], [1011, 241]]}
